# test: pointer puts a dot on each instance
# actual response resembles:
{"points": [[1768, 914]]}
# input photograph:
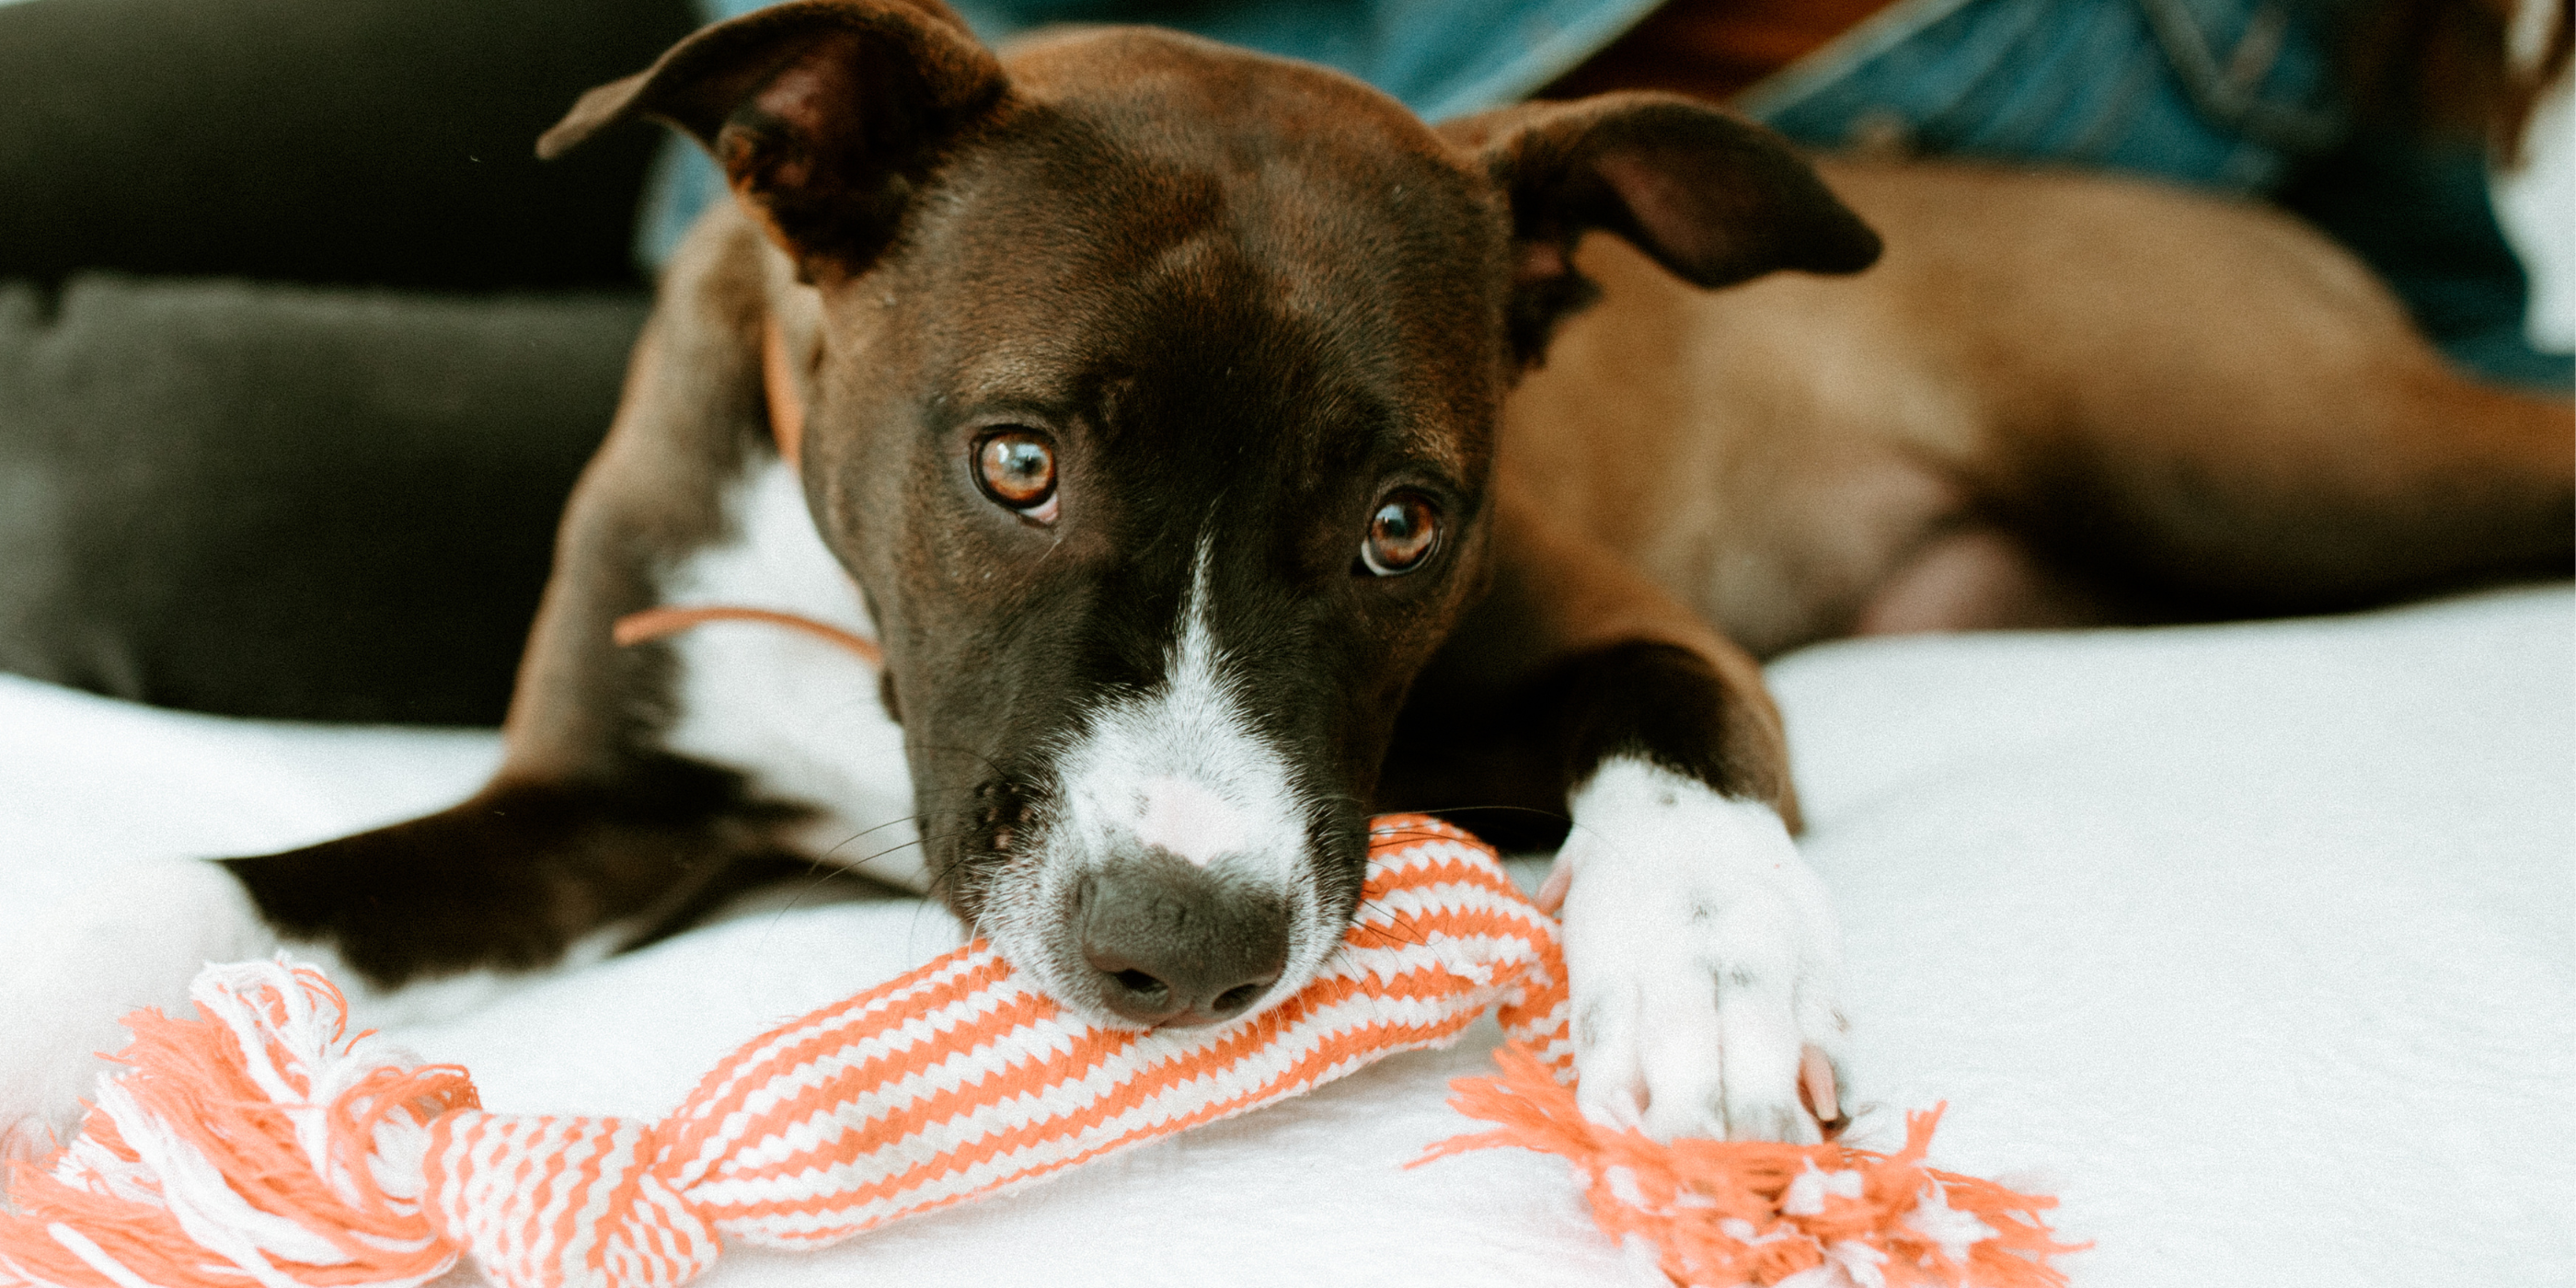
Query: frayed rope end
{"points": [[254, 1144], [1755, 1212]]}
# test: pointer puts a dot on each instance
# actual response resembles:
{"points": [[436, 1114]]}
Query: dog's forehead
{"points": [[1261, 238]]}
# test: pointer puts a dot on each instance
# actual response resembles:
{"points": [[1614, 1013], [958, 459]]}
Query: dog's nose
{"points": [[1176, 946]]}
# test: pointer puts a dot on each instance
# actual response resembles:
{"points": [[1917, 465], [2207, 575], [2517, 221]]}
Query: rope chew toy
{"points": [[260, 1145]]}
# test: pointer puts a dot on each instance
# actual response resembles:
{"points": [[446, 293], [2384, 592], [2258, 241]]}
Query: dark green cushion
{"points": [[297, 502]]}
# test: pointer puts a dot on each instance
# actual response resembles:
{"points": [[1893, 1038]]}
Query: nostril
{"points": [[1128, 974], [1238, 997], [1169, 945]]}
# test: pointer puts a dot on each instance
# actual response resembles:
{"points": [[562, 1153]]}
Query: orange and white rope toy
{"points": [[257, 1145]]}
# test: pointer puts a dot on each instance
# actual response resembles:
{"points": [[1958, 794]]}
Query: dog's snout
{"points": [[1173, 945]]}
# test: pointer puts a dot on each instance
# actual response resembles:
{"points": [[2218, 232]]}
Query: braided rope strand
{"points": [[259, 1146]]}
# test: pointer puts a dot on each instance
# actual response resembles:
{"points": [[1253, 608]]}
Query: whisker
{"points": [[866, 831], [820, 873], [940, 883], [818, 876]]}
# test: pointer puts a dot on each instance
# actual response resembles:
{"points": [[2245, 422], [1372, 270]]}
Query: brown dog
{"points": [[1219, 455]]}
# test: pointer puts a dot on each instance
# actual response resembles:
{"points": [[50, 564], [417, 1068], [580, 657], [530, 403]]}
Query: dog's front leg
{"points": [[1702, 953]]}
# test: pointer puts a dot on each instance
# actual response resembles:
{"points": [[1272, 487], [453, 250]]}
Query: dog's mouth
{"points": [[1194, 918], [1169, 847]]}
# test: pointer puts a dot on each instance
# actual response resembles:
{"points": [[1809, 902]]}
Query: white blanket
{"points": [[2256, 944]]}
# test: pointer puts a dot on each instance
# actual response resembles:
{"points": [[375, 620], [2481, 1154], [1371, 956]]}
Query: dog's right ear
{"points": [[823, 113]]}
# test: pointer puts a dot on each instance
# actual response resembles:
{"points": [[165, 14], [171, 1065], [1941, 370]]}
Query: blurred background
{"points": [[301, 348]]}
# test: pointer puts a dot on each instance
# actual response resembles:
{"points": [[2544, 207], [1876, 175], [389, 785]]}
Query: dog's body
{"points": [[1319, 533]]}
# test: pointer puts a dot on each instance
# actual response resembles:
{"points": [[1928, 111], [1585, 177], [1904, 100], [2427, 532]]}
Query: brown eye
{"points": [[1016, 467], [1401, 534]]}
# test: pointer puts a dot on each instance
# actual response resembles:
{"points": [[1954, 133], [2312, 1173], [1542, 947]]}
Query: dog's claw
{"points": [[1816, 1088], [1551, 892]]}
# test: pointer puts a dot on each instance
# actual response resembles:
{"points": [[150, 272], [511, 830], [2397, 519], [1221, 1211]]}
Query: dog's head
{"points": [[1154, 408]]}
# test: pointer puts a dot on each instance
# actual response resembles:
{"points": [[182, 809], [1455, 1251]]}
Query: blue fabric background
{"points": [[2232, 95]]}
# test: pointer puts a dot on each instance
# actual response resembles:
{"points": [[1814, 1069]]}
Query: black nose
{"points": [[1176, 946]]}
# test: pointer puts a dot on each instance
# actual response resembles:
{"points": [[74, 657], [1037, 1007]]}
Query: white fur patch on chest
{"points": [[799, 717]]}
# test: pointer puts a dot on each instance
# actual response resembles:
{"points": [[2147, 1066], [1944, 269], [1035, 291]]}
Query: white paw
{"points": [[71, 968], [1703, 959]]}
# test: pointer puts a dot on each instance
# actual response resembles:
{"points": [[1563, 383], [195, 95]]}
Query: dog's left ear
{"points": [[825, 114], [1712, 198]]}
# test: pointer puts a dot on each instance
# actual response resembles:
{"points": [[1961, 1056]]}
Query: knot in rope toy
{"points": [[259, 1144]]}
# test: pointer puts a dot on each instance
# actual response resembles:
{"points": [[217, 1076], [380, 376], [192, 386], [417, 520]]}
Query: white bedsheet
{"points": [[2257, 944]]}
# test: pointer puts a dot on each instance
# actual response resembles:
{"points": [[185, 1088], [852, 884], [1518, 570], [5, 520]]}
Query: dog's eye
{"points": [[1401, 534], [1016, 467]]}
